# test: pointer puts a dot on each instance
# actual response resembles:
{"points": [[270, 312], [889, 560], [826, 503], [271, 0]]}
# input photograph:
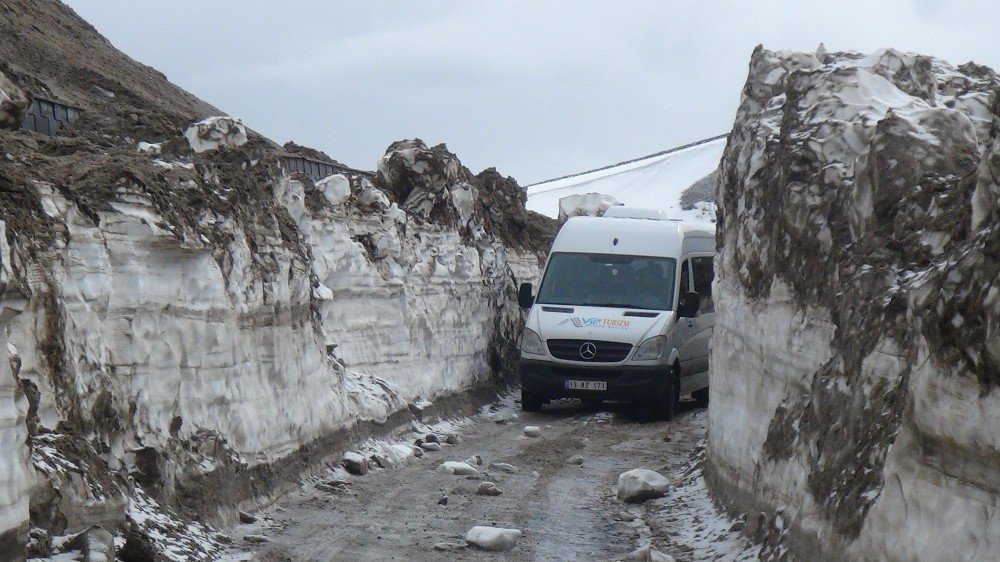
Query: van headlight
{"points": [[651, 349], [531, 343]]}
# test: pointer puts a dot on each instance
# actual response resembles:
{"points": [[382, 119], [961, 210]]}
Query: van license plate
{"points": [[587, 385]]}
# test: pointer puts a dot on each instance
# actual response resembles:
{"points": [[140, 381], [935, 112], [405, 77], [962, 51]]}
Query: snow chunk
{"points": [[216, 132], [649, 554], [457, 468], [493, 538], [336, 188], [640, 484], [585, 205]]}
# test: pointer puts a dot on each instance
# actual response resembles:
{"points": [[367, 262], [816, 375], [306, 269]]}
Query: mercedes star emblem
{"points": [[588, 351]]}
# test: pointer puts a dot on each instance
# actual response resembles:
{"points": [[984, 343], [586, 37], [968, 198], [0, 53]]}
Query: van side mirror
{"points": [[687, 305], [524, 296]]}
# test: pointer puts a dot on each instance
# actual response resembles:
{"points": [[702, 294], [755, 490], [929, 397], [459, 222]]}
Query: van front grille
{"points": [[578, 350]]}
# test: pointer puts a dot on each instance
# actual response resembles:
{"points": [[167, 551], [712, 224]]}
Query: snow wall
{"points": [[855, 408], [193, 313]]}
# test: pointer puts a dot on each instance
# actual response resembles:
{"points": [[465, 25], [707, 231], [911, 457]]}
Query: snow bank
{"points": [[208, 320], [855, 363], [654, 182], [16, 477]]}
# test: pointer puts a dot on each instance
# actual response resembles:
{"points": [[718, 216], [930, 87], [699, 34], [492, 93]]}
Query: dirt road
{"points": [[565, 511]]}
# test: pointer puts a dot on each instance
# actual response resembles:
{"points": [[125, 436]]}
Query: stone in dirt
{"points": [[474, 460], [493, 538], [418, 452], [452, 439], [457, 468], [575, 459], [13, 104], [247, 518], [443, 500], [508, 468], [532, 431], [355, 463], [96, 544], [450, 545], [432, 438], [640, 484], [256, 539], [649, 554], [430, 446], [488, 489]]}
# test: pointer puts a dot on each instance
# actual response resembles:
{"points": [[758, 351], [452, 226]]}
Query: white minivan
{"points": [[624, 312]]}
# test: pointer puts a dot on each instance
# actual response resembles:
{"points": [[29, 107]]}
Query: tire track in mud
{"points": [[566, 511]]}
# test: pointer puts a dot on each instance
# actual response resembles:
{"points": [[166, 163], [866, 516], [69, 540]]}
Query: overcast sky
{"points": [[537, 89]]}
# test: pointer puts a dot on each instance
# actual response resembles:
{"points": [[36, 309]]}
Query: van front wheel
{"points": [[701, 397], [671, 396], [531, 402]]}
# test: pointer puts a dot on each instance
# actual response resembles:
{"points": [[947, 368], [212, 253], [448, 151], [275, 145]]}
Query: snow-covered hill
{"points": [[655, 181]]}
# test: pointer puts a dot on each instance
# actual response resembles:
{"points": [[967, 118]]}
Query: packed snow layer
{"points": [[854, 385], [192, 343], [653, 182], [16, 477]]}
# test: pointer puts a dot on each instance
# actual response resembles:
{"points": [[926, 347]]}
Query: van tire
{"points": [[671, 395], [701, 397], [531, 402]]}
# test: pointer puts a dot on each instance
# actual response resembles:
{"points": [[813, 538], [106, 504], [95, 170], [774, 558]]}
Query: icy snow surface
{"points": [[654, 182]]}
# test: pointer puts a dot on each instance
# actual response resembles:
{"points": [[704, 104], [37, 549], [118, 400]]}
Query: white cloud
{"points": [[537, 88]]}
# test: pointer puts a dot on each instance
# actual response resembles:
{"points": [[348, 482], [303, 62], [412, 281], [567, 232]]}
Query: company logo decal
{"points": [[611, 323]]}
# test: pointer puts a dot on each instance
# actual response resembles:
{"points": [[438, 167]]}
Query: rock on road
{"points": [[566, 509]]}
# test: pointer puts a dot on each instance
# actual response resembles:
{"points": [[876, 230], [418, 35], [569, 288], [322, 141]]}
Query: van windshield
{"points": [[644, 282]]}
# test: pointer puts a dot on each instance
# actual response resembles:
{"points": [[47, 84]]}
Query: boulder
{"points": [[355, 463], [640, 484], [14, 103]]}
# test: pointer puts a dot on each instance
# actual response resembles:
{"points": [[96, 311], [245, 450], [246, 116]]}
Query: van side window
{"points": [[703, 273]]}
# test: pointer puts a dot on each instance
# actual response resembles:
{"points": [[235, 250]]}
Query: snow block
{"points": [[640, 484], [585, 205], [457, 468], [493, 538], [855, 367]]}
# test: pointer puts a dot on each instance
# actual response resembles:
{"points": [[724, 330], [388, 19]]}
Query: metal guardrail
{"points": [[318, 169], [48, 116]]}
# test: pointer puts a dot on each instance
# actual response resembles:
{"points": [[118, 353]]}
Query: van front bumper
{"points": [[625, 383]]}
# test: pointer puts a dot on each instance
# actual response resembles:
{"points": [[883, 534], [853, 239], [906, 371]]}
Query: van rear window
{"points": [[643, 282]]}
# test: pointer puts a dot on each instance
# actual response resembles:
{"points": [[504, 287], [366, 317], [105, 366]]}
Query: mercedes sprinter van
{"points": [[624, 312]]}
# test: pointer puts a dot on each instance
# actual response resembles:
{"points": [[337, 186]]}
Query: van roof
{"points": [[611, 235]]}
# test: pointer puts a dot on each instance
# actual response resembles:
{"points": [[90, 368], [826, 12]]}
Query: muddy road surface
{"points": [[565, 510]]}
